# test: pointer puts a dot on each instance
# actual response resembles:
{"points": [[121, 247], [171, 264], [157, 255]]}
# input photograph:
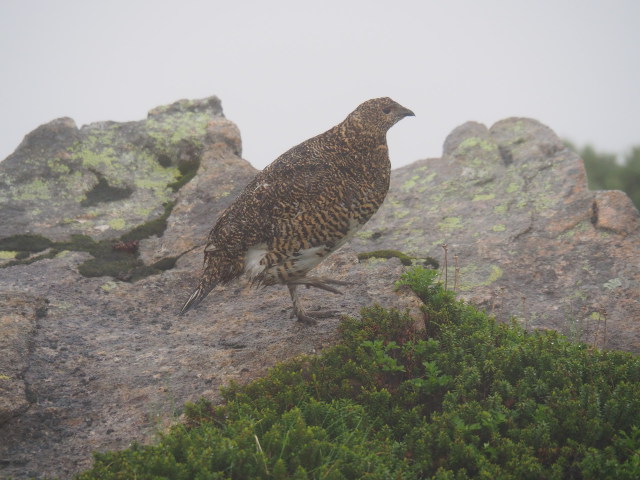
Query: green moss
{"points": [[117, 223], [94, 158], [125, 265], [174, 129], [7, 254], [143, 211], [404, 258], [57, 166], [112, 264], [122, 264], [120, 167], [155, 184], [401, 213], [483, 197], [166, 263], [543, 202], [436, 197], [107, 287], [35, 190], [364, 234], [473, 276], [496, 273], [429, 178], [142, 271], [83, 243], [394, 202], [107, 260], [25, 243], [501, 209], [578, 294], [476, 142], [499, 228], [24, 258], [577, 228], [450, 223], [612, 284], [513, 187], [156, 226], [187, 170], [409, 184], [518, 127]]}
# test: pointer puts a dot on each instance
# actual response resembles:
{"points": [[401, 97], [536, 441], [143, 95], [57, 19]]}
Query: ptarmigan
{"points": [[303, 206]]}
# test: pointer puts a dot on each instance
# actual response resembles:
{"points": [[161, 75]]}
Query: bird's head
{"points": [[378, 115]]}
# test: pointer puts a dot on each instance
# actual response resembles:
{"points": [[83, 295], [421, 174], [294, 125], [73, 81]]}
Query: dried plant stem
{"points": [[456, 274], [493, 302], [603, 312], [597, 331], [446, 264]]}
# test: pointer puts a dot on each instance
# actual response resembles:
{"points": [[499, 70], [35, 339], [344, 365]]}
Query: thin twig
{"points": [[604, 315], [457, 274], [446, 264]]}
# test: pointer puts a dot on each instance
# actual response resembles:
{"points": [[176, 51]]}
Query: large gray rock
{"points": [[105, 178], [532, 242], [111, 362]]}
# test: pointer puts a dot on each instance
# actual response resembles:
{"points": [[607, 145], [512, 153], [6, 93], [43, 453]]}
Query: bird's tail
{"points": [[196, 297]]}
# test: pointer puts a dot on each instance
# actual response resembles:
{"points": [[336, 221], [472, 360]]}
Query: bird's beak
{"points": [[405, 112]]}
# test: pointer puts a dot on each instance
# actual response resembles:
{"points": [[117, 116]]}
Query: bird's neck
{"points": [[363, 153], [357, 137]]}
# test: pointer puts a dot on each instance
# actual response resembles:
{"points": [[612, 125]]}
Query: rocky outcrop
{"points": [[524, 234], [105, 178], [107, 223]]}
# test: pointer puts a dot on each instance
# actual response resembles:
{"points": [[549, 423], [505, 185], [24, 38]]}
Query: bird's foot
{"points": [[306, 319], [299, 311], [322, 283]]}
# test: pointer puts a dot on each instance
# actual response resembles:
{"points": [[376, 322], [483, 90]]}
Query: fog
{"points": [[288, 70]]}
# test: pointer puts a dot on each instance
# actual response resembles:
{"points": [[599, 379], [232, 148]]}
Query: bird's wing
{"points": [[280, 199]]}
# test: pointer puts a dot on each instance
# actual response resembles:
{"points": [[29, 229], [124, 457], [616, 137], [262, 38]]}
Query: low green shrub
{"points": [[466, 397]]}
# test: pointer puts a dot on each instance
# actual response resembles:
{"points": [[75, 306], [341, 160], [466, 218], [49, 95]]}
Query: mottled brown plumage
{"points": [[303, 206]]}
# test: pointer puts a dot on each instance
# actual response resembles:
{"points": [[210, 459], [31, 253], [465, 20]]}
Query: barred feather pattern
{"points": [[303, 206]]}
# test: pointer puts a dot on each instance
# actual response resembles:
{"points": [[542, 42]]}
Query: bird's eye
{"points": [[386, 110]]}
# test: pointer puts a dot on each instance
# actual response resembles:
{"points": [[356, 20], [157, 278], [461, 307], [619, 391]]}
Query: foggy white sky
{"points": [[288, 70]]}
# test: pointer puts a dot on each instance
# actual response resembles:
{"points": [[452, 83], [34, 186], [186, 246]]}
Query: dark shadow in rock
{"points": [[103, 192]]}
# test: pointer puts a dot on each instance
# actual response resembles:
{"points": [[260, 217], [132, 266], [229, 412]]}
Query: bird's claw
{"points": [[311, 319]]}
